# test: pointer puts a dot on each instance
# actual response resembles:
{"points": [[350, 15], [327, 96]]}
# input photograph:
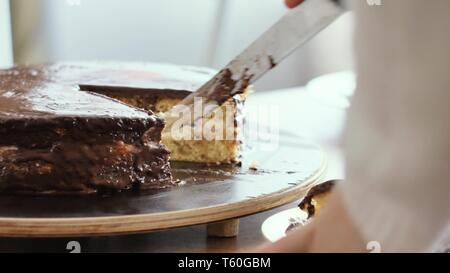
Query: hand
{"points": [[293, 3], [331, 231]]}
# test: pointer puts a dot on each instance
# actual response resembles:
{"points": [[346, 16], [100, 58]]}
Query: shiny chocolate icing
{"points": [[38, 90]]}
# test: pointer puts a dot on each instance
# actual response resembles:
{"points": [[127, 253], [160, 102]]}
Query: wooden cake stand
{"points": [[213, 195]]}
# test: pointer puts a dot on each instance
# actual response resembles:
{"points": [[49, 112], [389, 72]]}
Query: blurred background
{"points": [[193, 32]]}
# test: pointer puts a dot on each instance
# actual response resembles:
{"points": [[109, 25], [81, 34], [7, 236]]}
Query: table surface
{"points": [[313, 119]]}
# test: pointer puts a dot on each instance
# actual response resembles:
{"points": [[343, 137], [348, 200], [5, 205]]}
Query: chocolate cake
{"points": [[159, 87], [58, 139], [91, 127]]}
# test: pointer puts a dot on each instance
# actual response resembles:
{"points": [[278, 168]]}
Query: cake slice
{"points": [[159, 87], [57, 139]]}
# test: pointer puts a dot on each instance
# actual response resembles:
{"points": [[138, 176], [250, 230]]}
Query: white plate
{"points": [[274, 228], [335, 89]]}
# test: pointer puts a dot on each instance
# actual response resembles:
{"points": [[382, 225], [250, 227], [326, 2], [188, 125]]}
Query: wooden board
{"points": [[210, 194]]}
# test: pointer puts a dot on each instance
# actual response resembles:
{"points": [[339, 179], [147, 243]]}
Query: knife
{"points": [[292, 31]]}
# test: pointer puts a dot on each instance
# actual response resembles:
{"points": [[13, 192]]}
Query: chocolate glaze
{"points": [[63, 139], [50, 92], [45, 100], [224, 87], [314, 191]]}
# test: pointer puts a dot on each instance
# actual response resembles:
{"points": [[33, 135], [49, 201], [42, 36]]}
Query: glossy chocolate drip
{"points": [[224, 87], [52, 92]]}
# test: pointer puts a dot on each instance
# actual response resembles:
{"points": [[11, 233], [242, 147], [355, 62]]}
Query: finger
{"points": [[293, 3]]}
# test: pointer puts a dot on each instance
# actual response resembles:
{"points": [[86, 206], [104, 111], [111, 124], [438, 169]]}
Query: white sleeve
{"points": [[398, 132]]}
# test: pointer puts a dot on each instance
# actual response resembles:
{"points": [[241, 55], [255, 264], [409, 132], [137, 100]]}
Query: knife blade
{"points": [[293, 30]]}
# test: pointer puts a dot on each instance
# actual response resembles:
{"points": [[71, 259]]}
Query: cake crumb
{"points": [[253, 166]]}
